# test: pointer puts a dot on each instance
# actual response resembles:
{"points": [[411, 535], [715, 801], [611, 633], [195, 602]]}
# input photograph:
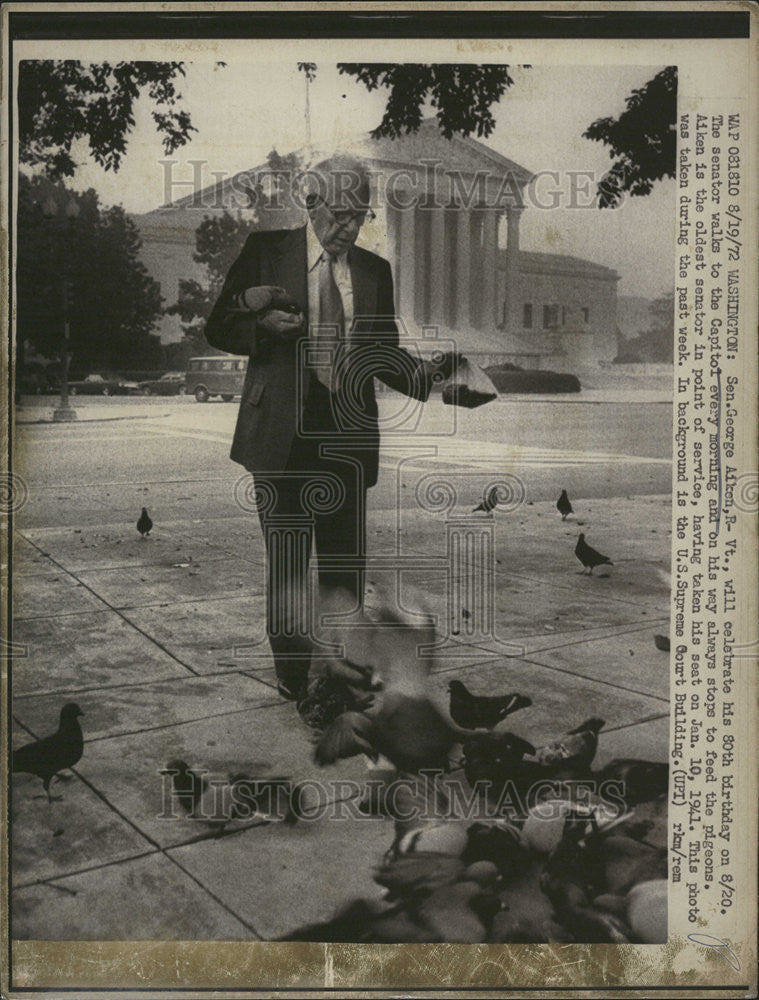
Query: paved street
{"points": [[161, 641]]}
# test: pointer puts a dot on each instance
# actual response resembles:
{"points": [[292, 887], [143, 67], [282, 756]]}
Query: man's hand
{"points": [[282, 324], [447, 362], [257, 298]]}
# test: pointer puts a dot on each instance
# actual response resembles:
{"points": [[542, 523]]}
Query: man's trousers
{"points": [[318, 497]]}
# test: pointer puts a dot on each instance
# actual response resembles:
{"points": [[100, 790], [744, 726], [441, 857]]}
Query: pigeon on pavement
{"points": [[481, 712], [574, 750], [48, 756], [588, 556], [563, 505], [144, 524], [489, 501]]}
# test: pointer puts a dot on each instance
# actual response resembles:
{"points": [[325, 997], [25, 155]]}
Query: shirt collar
{"points": [[314, 250]]}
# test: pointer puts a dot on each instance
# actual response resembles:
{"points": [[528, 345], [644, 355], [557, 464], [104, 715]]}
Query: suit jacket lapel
{"points": [[364, 286], [289, 267]]}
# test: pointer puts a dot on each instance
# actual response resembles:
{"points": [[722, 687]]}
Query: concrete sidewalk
{"points": [[146, 636]]}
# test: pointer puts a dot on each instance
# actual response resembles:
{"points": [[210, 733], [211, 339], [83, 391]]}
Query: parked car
{"points": [[215, 376], [169, 384], [100, 385], [33, 383]]}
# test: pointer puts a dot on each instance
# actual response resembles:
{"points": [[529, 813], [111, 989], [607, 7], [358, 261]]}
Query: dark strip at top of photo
{"points": [[399, 24]]}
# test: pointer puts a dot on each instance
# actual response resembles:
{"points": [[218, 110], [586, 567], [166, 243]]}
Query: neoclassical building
{"points": [[448, 219]]}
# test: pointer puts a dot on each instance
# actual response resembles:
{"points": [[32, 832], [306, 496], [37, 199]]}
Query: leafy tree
{"points": [[60, 101], [658, 342], [463, 95], [643, 139], [113, 303], [219, 239]]}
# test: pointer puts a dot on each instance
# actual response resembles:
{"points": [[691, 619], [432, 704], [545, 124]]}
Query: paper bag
{"points": [[469, 386]]}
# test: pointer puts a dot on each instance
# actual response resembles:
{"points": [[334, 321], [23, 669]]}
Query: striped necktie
{"points": [[330, 329]]}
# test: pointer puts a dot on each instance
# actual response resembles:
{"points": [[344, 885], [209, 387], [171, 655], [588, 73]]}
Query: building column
{"points": [[475, 268], [513, 320], [488, 314], [463, 267], [405, 256], [437, 259]]}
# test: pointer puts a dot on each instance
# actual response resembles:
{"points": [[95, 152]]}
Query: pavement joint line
{"points": [[89, 420], [624, 630], [96, 791], [104, 687], [142, 632], [637, 722], [86, 869], [138, 607], [561, 670], [587, 677], [130, 482], [182, 722], [213, 895]]}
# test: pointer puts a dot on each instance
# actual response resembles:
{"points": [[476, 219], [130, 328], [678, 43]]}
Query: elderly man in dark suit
{"points": [[316, 316]]}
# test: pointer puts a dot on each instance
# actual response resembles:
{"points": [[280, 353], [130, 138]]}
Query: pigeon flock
{"points": [[557, 851]]}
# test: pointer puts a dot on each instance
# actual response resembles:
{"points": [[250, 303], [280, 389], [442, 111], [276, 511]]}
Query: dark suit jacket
{"points": [[276, 382]]}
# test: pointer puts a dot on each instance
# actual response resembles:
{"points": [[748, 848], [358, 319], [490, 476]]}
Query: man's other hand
{"points": [[282, 324]]}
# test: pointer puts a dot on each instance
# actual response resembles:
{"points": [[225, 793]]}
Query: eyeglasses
{"points": [[345, 217]]}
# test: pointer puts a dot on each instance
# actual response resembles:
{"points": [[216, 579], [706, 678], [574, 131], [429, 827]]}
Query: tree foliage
{"points": [[114, 304], [62, 101], [643, 140], [462, 94], [658, 342], [219, 239]]}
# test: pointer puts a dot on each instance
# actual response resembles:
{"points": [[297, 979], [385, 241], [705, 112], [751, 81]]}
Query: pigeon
{"points": [[478, 712], [643, 780], [144, 524], [574, 750], [48, 756], [662, 642], [261, 797], [327, 698], [218, 802], [588, 556], [563, 505], [489, 501], [402, 723], [498, 758]]}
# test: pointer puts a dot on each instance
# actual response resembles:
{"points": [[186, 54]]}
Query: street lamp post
{"points": [[64, 413]]}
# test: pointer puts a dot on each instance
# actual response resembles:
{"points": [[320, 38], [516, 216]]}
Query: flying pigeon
{"points": [[48, 756], [475, 712], [489, 501], [589, 557], [563, 505], [144, 524], [402, 723]]}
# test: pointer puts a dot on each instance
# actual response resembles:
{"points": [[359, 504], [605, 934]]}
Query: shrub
{"points": [[532, 381]]}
